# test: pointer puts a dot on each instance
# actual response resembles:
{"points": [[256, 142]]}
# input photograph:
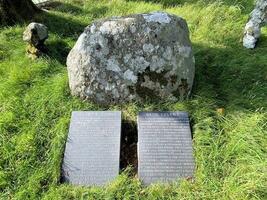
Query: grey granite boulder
{"points": [[258, 18], [137, 57]]}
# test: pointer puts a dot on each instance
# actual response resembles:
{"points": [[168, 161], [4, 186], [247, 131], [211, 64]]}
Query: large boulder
{"points": [[143, 56]]}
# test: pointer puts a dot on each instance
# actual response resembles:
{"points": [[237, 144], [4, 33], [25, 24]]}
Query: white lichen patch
{"points": [[133, 29], [138, 63], [80, 45], [157, 17], [126, 58], [111, 27], [148, 48], [156, 63], [96, 43], [113, 65], [93, 28], [128, 20], [129, 75], [168, 53], [115, 93]]}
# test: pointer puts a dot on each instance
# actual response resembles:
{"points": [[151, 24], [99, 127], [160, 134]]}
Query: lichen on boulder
{"points": [[137, 57]]}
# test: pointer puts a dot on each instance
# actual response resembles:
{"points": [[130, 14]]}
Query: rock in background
{"points": [[258, 18], [143, 56], [35, 35]]}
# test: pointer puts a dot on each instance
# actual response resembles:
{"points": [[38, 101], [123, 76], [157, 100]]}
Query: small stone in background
{"points": [[35, 34], [258, 18]]}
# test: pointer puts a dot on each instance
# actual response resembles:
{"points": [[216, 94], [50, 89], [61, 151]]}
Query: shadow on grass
{"points": [[233, 76], [262, 42], [97, 12], [65, 26], [62, 26], [208, 71], [93, 11], [246, 5], [58, 50], [165, 3], [67, 8]]}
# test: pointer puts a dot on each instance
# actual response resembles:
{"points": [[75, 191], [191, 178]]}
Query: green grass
{"points": [[230, 150]]}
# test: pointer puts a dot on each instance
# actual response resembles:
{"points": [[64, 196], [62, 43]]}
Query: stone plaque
{"points": [[165, 150], [92, 153]]}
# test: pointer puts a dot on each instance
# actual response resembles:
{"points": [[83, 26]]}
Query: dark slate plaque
{"points": [[165, 150], [92, 152]]}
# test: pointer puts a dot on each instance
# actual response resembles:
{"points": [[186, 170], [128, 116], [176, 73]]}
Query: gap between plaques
{"points": [[128, 151]]}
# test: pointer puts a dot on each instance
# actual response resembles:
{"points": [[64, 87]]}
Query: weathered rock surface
{"points": [[258, 18], [35, 35], [143, 56]]}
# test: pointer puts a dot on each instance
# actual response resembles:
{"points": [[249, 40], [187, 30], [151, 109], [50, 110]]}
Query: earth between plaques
{"points": [[128, 154]]}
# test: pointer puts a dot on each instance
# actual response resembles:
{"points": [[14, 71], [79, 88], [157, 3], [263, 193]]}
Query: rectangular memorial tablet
{"points": [[92, 153], [165, 150]]}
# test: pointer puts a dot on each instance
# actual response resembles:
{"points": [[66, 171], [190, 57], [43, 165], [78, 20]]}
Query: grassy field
{"points": [[230, 150]]}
